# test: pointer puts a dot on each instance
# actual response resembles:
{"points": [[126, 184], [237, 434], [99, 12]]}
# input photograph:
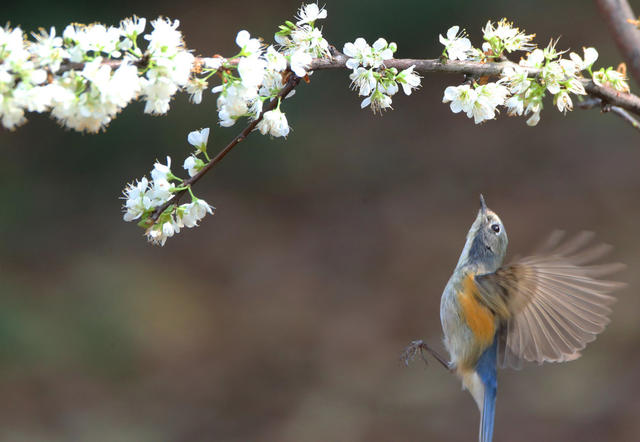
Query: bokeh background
{"points": [[282, 317]]}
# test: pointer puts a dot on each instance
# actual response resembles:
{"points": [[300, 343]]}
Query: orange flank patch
{"points": [[478, 317]]}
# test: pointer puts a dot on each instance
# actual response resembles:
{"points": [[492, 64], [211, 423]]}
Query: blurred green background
{"points": [[282, 317]]}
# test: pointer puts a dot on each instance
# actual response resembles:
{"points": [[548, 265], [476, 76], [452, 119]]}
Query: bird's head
{"points": [[486, 241]]}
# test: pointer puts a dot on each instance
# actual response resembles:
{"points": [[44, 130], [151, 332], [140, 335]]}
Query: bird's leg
{"points": [[410, 353]]}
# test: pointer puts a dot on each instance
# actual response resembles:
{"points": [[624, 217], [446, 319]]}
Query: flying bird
{"points": [[542, 308]]}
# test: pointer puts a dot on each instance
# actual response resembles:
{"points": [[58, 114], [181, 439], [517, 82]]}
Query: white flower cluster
{"points": [[168, 67], [255, 75], [303, 41], [499, 38], [372, 78], [144, 197], [262, 71], [504, 37], [478, 102], [521, 87], [612, 78], [87, 75]]}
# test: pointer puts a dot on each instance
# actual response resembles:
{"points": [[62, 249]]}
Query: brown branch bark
{"points": [[617, 14], [592, 103]]}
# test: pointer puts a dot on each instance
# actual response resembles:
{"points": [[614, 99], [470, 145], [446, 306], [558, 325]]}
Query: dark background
{"points": [[282, 317]]}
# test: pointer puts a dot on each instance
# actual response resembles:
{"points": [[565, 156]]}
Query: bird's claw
{"points": [[411, 351], [419, 346]]}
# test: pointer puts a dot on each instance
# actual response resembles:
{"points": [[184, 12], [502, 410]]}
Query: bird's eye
{"points": [[495, 228]]}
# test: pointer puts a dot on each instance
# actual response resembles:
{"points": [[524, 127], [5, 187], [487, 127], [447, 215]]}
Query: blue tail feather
{"points": [[487, 371]]}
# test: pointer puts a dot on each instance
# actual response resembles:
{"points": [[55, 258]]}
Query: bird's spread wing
{"points": [[552, 303]]}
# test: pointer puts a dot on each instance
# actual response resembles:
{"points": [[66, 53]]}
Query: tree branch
{"points": [[292, 82], [338, 60], [609, 95], [617, 14], [608, 98], [591, 103]]}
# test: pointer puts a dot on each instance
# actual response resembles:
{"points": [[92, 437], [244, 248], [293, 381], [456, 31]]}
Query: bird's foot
{"points": [[419, 347]]}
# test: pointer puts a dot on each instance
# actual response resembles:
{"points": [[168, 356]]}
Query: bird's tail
{"points": [[488, 414], [486, 370]]}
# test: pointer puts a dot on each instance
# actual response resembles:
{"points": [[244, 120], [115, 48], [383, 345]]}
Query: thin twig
{"points": [[626, 116], [618, 14], [591, 103], [292, 82]]}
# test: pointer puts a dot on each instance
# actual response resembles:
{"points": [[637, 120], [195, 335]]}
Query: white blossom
{"points": [[309, 39], [137, 201], [503, 36], [160, 191], [271, 85], [199, 138], [12, 48], [300, 60], [214, 63], [251, 70], [169, 67], [193, 212], [590, 57], [133, 27], [195, 88], [515, 105], [456, 45], [480, 103], [124, 85], [233, 103], [388, 86], [165, 38], [494, 93], [160, 232], [409, 80], [612, 78], [250, 46], [382, 49], [358, 52], [364, 80], [534, 119], [563, 101], [462, 98], [310, 13], [552, 75], [575, 86], [534, 59], [48, 49], [378, 101], [155, 235], [161, 172], [274, 123], [276, 62], [163, 81], [489, 97], [517, 79], [193, 164]]}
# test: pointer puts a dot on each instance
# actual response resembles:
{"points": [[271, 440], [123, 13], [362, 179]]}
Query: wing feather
{"points": [[552, 304]]}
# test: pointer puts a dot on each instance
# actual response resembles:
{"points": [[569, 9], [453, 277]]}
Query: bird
{"points": [[542, 308]]}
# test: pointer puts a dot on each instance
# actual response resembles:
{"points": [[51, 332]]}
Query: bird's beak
{"points": [[483, 205]]}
